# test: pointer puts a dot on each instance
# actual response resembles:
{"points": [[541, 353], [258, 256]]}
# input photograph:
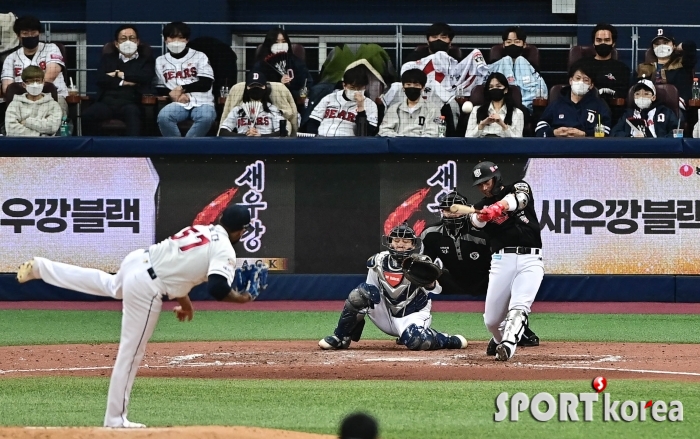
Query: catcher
{"points": [[395, 297]]}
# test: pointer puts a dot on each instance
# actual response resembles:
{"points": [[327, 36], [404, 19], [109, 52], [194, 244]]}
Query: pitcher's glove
{"points": [[420, 270]]}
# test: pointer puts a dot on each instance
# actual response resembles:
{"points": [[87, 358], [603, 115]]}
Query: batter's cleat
{"points": [[26, 272], [529, 339], [332, 342], [128, 424], [456, 342], [491, 348], [502, 352]]}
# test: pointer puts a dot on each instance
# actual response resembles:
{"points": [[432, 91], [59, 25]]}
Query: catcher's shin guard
{"points": [[418, 338], [516, 321]]}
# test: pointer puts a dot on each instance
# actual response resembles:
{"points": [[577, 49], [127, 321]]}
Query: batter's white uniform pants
{"points": [[513, 284], [394, 326], [142, 299]]}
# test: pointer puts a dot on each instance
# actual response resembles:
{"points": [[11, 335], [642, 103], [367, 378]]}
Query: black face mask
{"points": [[603, 49], [513, 51], [30, 42], [412, 93], [496, 94], [438, 46], [256, 93]]}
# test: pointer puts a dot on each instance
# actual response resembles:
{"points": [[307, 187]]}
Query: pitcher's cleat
{"points": [[26, 272]]}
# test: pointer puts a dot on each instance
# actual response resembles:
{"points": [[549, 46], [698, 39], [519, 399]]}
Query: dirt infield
{"points": [[156, 433], [364, 360]]}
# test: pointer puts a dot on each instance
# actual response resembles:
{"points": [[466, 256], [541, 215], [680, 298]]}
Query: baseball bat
{"points": [[461, 208]]}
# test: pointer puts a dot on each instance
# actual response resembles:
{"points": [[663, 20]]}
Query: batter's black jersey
{"points": [[467, 258], [519, 228]]}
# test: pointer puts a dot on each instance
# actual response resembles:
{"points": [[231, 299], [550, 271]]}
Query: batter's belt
{"points": [[520, 250]]}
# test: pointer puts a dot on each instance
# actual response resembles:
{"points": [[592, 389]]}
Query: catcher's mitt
{"points": [[420, 270]]}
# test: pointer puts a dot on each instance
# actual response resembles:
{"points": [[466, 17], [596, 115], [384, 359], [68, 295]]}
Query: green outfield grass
{"points": [[22, 327], [405, 409]]}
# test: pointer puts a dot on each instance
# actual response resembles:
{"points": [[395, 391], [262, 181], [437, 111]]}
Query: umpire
{"points": [[465, 256]]}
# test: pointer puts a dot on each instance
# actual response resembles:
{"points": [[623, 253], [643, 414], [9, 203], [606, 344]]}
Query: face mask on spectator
{"points": [[662, 51], [256, 93], [176, 46], [30, 42], [642, 103], [279, 47], [579, 88], [413, 93], [350, 94], [128, 48], [35, 88], [438, 46], [496, 94], [603, 49], [513, 51]]}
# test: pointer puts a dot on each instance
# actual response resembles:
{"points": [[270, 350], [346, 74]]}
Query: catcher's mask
{"points": [[400, 232], [453, 221]]}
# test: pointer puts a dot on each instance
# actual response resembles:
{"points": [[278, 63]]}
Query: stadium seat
{"points": [[530, 53], [16, 88]]}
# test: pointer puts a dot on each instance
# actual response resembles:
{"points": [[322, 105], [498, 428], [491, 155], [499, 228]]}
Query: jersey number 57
{"points": [[190, 238]]}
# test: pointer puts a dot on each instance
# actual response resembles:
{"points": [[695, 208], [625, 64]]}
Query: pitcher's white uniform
{"points": [[337, 115], [173, 72], [172, 267], [47, 53]]}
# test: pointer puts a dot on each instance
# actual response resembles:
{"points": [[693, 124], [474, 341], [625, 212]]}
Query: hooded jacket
{"points": [[583, 115], [661, 122], [33, 118]]}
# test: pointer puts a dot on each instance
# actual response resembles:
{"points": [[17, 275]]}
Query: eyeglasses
{"points": [[130, 38]]}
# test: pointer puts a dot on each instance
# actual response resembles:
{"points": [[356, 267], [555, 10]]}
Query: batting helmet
{"points": [[484, 172], [401, 231]]}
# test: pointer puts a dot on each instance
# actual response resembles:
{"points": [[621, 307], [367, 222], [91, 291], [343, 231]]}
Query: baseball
{"points": [[467, 107]]}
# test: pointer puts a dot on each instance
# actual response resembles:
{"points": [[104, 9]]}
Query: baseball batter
{"points": [[395, 305], [170, 268], [464, 253], [507, 216]]}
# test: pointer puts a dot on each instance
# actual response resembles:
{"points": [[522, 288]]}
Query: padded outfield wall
{"points": [[620, 218]]}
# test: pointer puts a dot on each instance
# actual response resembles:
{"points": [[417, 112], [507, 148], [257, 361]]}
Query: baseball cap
{"points": [[645, 83], [660, 33], [255, 77], [235, 218]]}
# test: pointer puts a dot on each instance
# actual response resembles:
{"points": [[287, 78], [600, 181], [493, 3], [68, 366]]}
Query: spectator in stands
{"points": [[412, 117], [359, 426], [188, 76], [122, 77], [647, 118], [674, 64], [517, 69], [577, 111], [498, 117], [279, 64], [611, 77], [48, 56], [439, 36], [346, 112], [256, 115], [33, 113]]}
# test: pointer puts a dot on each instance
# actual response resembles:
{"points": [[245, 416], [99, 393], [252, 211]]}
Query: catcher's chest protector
{"points": [[392, 284]]}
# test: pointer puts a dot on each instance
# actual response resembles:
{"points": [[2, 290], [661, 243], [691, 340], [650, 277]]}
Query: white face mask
{"points": [[128, 48], [579, 88], [35, 89], [642, 103], [176, 46], [279, 47], [663, 51], [350, 94]]}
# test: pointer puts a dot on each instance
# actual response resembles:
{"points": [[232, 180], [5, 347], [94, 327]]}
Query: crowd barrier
{"points": [[321, 206]]}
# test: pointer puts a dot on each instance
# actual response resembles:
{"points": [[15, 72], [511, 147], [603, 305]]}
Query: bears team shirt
{"points": [[47, 53], [173, 72], [265, 122], [337, 115]]}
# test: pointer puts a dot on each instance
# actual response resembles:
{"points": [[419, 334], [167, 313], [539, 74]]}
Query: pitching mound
{"points": [[156, 433]]}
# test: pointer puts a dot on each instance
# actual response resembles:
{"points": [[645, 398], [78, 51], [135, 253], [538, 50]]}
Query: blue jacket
{"points": [[582, 115], [663, 121]]}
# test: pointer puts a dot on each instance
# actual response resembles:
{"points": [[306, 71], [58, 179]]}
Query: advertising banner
{"points": [[83, 211]]}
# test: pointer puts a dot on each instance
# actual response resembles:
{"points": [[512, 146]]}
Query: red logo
{"points": [[599, 384], [686, 170], [394, 279]]}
